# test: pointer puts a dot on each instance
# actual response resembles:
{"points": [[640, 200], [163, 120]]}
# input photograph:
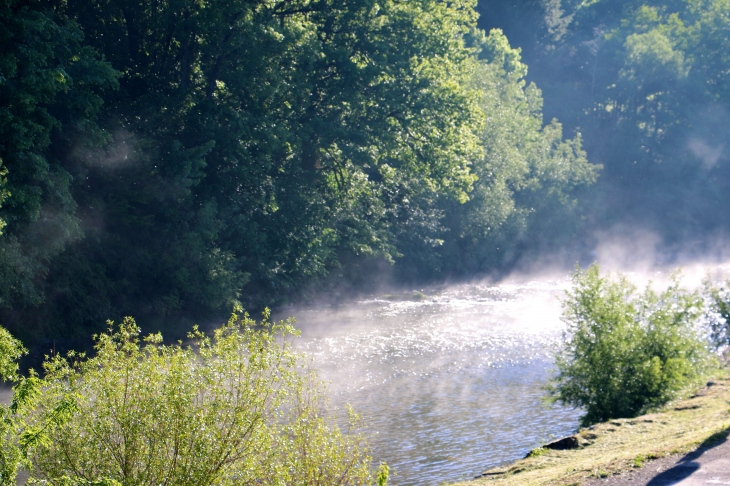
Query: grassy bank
{"points": [[619, 445]]}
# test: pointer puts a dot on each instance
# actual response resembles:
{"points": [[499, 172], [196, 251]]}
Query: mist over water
{"points": [[450, 385]]}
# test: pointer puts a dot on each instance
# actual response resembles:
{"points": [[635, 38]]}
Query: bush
{"points": [[625, 353], [718, 312], [12, 454], [232, 409]]}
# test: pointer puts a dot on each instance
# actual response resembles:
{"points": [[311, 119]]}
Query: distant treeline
{"points": [[171, 158], [647, 83]]}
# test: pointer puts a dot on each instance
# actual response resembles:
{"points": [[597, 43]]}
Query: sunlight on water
{"points": [[453, 384], [449, 385]]}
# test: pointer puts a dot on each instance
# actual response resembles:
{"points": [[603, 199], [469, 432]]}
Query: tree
{"points": [[643, 80], [625, 353], [193, 155], [251, 146], [718, 312], [11, 453], [51, 90], [233, 408], [524, 198]]}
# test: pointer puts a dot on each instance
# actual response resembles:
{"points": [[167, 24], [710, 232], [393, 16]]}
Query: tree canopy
{"points": [[173, 158], [645, 82]]}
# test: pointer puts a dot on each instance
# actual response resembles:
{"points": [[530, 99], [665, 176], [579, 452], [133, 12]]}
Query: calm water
{"points": [[450, 385]]}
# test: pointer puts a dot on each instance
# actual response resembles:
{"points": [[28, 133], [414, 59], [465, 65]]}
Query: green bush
{"points": [[12, 452], [625, 353], [236, 408], [718, 312]]}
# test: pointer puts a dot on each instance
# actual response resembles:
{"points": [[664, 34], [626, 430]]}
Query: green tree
{"points": [[254, 146], [188, 156], [51, 88], [17, 438], [643, 79], [234, 408], [11, 455], [625, 353], [524, 200], [718, 312]]}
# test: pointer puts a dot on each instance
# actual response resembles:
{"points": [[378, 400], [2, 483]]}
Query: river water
{"points": [[450, 384]]}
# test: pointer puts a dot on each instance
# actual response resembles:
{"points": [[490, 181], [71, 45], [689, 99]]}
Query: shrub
{"points": [[236, 408], [12, 453], [625, 353], [718, 312]]}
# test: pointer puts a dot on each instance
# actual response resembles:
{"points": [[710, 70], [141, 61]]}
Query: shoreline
{"points": [[613, 448]]}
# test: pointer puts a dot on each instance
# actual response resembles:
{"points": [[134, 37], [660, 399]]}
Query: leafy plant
{"points": [[537, 452], [11, 452], [232, 408], [383, 474], [718, 312], [527, 174], [639, 461], [625, 353]]}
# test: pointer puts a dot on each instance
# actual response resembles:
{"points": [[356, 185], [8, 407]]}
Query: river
{"points": [[450, 380]]}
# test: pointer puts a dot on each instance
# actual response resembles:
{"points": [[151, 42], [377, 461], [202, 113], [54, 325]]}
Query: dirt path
{"points": [[708, 465]]}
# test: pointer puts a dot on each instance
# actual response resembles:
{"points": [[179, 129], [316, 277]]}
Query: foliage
{"points": [[383, 474], [537, 452], [171, 159], [645, 81], [10, 455], [17, 438], [50, 92], [625, 353], [11, 350], [271, 137], [718, 312], [234, 408], [524, 198]]}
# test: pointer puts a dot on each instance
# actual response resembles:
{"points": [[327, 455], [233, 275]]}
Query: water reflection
{"points": [[450, 384]]}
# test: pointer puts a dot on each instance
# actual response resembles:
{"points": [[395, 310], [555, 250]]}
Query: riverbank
{"points": [[614, 448]]}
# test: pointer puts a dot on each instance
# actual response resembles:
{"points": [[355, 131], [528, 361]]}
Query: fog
{"points": [[446, 385], [450, 378]]}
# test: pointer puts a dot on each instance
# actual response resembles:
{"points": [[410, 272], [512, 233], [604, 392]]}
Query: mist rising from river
{"points": [[447, 385], [449, 379]]}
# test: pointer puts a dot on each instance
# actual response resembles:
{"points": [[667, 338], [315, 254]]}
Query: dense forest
{"points": [[170, 159], [646, 83]]}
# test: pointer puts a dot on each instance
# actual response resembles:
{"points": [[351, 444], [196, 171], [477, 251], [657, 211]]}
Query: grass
{"points": [[618, 445]]}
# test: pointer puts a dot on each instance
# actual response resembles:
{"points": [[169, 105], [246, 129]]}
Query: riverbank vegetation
{"points": [[638, 366], [175, 159], [623, 353], [234, 408], [616, 446], [647, 83], [168, 160], [171, 159]]}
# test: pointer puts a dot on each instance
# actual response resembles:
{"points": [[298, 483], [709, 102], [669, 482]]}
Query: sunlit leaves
{"points": [[526, 172], [624, 352], [232, 408]]}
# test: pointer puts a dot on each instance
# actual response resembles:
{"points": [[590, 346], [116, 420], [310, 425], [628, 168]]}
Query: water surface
{"points": [[449, 385]]}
